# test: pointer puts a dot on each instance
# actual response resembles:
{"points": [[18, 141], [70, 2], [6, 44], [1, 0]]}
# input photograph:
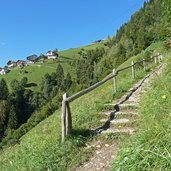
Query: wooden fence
{"points": [[66, 111]]}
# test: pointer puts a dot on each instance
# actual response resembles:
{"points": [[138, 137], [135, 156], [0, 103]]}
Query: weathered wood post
{"points": [[63, 118], [133, 71], [151, 58], [155, 59], [161, 57], [114, 81], [158, 57], [144, 65], [68, 119]]}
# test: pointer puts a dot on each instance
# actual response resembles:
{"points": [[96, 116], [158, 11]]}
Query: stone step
{"points": [[118, 107], [132, 101], [136, 105], [123, 130], [116, 121], [111, 112]]}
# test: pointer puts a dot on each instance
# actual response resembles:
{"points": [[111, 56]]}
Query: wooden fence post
{"points": [[155, 59], [133, 71], [68, 119], [151, 58], [63, 118], [161, 57], [144, 65], [114, 81]]}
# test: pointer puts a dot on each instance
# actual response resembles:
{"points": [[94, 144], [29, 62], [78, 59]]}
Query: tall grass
{"points": [[150, 148]]}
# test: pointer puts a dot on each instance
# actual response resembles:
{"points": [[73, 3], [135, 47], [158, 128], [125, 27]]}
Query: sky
{"points": [[36, 26]]}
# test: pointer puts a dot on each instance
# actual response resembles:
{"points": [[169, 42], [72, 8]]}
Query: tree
{"points": [[55, 51], [16, 86], [24, 81], [60, 76], [68, 81], [38, 100], [53, 79], [46, 86], [20, 102], [54, 91], [12, 121], [3, 90], [121, 55], [3, 117]]}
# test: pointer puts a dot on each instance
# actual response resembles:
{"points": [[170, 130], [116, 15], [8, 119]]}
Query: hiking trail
{"points": [[120, 118]]}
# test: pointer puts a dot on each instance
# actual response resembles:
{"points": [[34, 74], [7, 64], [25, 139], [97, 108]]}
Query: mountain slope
{"points": [[35, 72], [38, 144], [41, 146]]}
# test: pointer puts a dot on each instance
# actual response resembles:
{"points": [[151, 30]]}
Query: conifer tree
{"points": [[60, 75], [3, 90], [3, 117], [24, 81], [12, 121], [68, 81], [46, 86]]}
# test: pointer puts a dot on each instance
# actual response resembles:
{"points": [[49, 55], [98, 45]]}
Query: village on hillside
{"points": [[29, 60]]}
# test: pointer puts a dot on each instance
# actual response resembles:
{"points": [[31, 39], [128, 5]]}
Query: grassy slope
{"points": [[150, 148], [38, 70], [40, 149]]}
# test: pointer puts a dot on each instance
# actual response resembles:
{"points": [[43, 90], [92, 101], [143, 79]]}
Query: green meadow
{"points": [[35, 72]]}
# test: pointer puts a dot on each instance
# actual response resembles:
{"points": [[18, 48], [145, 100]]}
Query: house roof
{"points": [[49, 51], [53, 53], [10, 62], [98, 41], [20, 61], [32, 58]]}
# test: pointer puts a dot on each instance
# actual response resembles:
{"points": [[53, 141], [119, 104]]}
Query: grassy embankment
{"points": [[150, 148], [35, 72], [40, 149]]}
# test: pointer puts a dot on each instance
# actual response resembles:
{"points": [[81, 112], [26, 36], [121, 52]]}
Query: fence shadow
{"points": [[66, 100], [116, 108], [82, 133]]}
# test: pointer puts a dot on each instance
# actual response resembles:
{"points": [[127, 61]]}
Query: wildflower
{"points": [[164, 97], [126, 158], [119, 126]]}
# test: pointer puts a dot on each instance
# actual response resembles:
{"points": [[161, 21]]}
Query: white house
{"points": [[51, 55], [20, 63], [3, 71], [32, 59], [11, 64]]}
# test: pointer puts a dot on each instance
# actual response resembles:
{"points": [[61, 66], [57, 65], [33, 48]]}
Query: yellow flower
{"points": [[119, 126], [164, 97]]}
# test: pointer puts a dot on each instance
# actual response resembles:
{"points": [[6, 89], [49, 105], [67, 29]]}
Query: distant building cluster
{"points": [[29, 60], [4, 71]]}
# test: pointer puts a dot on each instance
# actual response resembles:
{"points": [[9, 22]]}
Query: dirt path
{"points": [[118, 119]]}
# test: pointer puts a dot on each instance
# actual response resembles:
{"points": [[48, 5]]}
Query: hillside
{"points": [[150, 147], [30, 111], [35, 72], [37, 145]]}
